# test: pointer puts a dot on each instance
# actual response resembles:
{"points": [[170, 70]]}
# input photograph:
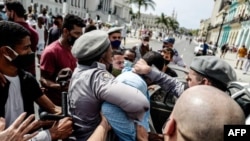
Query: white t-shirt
{"points": [[40, 32], [14, 104]]}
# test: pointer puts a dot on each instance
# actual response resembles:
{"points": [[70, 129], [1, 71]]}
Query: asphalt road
{"points": [[181, 45]]}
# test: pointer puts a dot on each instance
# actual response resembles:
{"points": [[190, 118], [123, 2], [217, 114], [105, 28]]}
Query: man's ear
{"points": [[66, 31], [205, 81], [6, 51], [171, 127]]}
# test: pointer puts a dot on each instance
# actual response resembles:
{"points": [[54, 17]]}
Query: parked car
{"points": [[198, 50], [162, 103]]}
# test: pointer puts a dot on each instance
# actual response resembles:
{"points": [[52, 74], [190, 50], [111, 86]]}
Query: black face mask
{"points": [[24, 61], [72, 40]]}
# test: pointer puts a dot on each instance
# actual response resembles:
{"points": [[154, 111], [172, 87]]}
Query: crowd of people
{"points": [[107, 86]]}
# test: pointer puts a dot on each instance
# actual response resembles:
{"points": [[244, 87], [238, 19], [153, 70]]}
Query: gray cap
{"points": [[90, 45], [214, 68], [114, 29]]}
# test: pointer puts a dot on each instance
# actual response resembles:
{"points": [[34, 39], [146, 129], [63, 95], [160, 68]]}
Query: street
{"points": [[186, 50]]}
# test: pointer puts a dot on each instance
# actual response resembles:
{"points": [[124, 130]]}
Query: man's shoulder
{"points": [[54, 47]]}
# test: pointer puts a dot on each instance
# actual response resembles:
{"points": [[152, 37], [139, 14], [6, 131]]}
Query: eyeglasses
{"points": [[163, 127]]}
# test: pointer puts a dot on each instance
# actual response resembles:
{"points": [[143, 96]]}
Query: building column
{"points": [[247, 42], [237, 42]]}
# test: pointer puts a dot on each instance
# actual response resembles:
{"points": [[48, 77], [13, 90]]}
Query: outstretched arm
{"points": [[18, 131], [101, 131]]}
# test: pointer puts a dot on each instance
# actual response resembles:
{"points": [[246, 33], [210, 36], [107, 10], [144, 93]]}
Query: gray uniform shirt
{"points": [[177, 59], [89, 87], [167, 83]]}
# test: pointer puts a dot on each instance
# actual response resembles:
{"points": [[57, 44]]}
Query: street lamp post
{"points": [[223, 18], [208, 28]]}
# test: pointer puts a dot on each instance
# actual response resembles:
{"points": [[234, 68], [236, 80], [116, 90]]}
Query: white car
{"points": [[198, 50]]}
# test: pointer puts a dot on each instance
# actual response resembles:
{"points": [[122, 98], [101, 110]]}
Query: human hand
{"points": [[141, 67], [18, 131], [61, 129], [141, 133]]}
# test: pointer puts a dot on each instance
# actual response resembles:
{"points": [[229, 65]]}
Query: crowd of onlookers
{"points": [[106, 83]]}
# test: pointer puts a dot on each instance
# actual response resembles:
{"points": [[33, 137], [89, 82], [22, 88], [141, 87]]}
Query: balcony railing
{"points": [[245, 18], [234, 20]]}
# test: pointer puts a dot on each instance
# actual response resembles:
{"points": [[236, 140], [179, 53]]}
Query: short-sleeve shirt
{"points": [[242, 52], [30, 91], [53, 59]]}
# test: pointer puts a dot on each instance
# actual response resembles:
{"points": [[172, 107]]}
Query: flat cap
{"points": [[90, 45], [114, 29], [169, 40], [214, 68]]}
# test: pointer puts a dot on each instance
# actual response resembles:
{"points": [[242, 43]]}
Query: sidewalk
{"points": [[231, 59]]}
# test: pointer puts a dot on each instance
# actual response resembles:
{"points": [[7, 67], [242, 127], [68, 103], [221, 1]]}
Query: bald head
{"points": [[202, 111]]}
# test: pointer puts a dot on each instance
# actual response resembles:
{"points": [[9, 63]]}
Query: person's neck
{"points": [[40, 25], [19, 19], [64, 43]]}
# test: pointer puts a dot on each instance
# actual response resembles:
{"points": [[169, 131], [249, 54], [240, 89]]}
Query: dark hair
{"points": [[154, 58], [11, 33], [71, 20], [57, 17], [117, 52], [17, 7], [130, 50], [90, 28], [169, 50]]}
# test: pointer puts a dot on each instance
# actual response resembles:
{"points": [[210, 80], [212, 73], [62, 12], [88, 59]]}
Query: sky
{"points": [[189, 12]]}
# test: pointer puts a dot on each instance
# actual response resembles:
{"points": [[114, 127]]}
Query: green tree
{"points": [[173, 24], [162, 20], [142, 3]]}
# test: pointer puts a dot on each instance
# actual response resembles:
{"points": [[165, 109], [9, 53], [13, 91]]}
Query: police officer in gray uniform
{"points": [[91, 84], [204, 70], [115, 37]]}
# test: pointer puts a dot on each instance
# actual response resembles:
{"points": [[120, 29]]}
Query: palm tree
{"points": [[162, 20], [173, 24], [142, 3]]}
